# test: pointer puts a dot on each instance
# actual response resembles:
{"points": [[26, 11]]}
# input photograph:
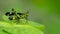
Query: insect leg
{"points": [[26, 20]]}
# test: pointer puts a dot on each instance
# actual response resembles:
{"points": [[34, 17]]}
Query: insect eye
{"points": [[10, 18], [7, 14]]}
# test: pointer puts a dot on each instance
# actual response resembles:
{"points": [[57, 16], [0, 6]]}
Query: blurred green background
{"points": [[46, 12]]}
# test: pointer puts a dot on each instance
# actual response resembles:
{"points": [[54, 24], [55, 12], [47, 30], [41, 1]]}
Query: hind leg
{"points": [[26, 20]]}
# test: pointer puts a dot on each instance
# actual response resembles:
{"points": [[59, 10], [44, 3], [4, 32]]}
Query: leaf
{"points": [[22, 28]]}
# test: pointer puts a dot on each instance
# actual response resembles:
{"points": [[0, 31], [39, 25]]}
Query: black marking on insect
{"points": [[10, 13], [10, 18], [18, 15]]}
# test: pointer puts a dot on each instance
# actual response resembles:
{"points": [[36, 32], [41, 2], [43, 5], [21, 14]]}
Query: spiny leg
{"points": [[26, 20], [17, 20], [27, 14]]}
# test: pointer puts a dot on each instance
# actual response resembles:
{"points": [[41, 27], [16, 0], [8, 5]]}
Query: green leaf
{"points": [[21, 28]]}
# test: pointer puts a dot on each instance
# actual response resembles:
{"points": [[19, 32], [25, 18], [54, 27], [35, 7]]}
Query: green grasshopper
{"points": [[18, 16]]}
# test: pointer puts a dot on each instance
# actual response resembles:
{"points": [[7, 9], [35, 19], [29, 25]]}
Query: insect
{"points": [[17, 15]]}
